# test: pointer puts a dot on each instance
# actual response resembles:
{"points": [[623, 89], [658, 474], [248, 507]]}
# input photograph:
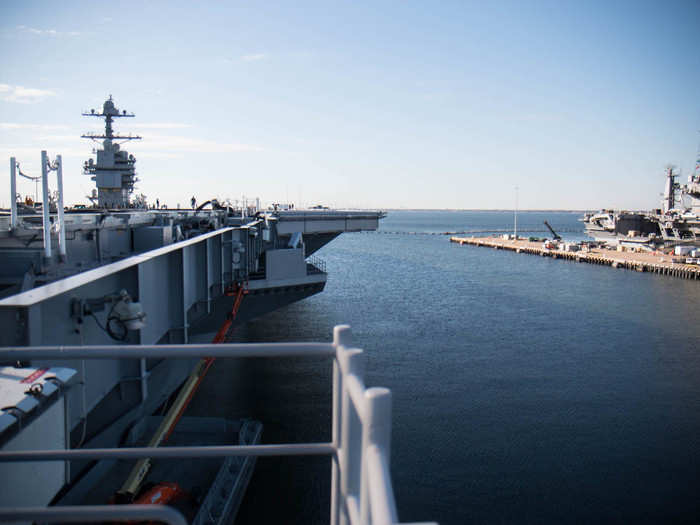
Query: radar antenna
{"points": [[114, 171], [109, 112]]}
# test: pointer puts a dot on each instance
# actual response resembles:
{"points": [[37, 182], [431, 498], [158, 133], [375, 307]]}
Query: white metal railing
{"points": [[93, 514], [361, 491], [46, 166], [317, 264], [361, 488]]}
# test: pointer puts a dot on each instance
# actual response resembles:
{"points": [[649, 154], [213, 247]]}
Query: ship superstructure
{"points": [[122, 273], [114, 172], [691, 190]]}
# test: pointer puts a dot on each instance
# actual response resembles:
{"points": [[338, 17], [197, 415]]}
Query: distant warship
{"points": [[677, 222]]}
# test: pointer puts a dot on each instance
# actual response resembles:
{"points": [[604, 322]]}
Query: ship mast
{"points": [[114, 172]]}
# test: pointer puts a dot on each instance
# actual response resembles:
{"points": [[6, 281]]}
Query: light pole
{"points": [[515, 216]]}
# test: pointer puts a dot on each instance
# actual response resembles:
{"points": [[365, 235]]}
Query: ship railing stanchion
{"points": [[61, 219], [45, 203], [378, 504], [341, 339], [13, 193], [352, 368]]}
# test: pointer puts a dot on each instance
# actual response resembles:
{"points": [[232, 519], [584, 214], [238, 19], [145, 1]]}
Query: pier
{"points": [[638, 261]]}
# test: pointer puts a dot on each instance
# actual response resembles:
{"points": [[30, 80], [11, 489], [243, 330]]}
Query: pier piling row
{"points": [[641, 262]]}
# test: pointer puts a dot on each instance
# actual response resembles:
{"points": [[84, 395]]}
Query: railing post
{"points": [[379, 418], [61, 219], [13, 193], [341, 340], [376, 430], [350, 362], [45, 203]]}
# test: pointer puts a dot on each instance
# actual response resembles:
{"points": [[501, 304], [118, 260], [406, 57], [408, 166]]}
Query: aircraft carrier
{"points": [[122, 272], [676, 222]]}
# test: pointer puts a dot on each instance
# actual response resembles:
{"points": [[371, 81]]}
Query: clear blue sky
{"points": [[376, 104]]}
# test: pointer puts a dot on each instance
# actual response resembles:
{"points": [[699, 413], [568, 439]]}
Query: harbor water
{"points": [[526, 389]]}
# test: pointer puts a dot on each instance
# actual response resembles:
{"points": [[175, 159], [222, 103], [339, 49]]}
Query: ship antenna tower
{"points": [[114, 172]]}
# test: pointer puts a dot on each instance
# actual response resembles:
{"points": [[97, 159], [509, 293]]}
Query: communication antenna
{"points": [[109, 112], [114, 172]]}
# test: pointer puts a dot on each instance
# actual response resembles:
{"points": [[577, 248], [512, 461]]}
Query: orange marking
{"points": [[34, 375]]}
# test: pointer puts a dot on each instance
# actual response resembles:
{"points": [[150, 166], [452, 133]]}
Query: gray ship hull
{"points": [[648, 229], [256, 303]]}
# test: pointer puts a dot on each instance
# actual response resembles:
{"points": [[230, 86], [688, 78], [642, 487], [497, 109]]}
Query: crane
{"points": [[555, 235]]}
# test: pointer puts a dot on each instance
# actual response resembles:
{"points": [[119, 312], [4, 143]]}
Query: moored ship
{"points": [[677, 222]]}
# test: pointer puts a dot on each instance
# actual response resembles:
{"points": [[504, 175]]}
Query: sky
{"points": [[580, 105]]}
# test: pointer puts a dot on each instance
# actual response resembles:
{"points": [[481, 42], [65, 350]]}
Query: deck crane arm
{"points": [[555, 235]]}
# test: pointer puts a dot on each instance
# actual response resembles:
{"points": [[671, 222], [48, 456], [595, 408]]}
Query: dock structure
{"points": [[639, 261]]}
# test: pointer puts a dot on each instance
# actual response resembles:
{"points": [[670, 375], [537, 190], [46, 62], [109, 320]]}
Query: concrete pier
{"points": [[638, 261]]}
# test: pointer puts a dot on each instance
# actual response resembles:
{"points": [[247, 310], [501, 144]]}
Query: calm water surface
{"points": [[526, 389]]}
